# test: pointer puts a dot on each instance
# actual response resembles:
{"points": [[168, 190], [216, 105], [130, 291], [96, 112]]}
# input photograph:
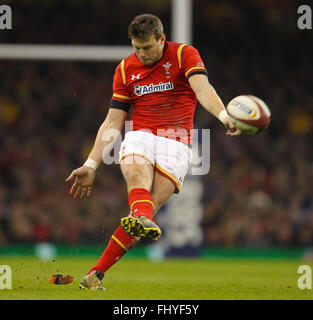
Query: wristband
{"points": [[223, 115], [91, 164]]}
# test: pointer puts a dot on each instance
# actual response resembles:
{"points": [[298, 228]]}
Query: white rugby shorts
{"points": [[169, 157]]}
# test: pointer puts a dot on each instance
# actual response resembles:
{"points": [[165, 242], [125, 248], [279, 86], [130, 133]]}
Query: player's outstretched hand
{"points": [[231, 129], [83, 180]]}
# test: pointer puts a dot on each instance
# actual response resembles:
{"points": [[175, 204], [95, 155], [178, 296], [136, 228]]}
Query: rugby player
{"points": [[162, 81]]}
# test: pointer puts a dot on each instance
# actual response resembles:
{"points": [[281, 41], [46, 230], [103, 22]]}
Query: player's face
{"points": [[149, 51]]}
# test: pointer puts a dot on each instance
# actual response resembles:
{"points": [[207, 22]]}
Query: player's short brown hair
{"points": [[145, 25]]}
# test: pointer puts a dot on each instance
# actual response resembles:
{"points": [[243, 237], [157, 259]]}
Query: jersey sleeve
{"points": [[191, 62], [120, 97]]}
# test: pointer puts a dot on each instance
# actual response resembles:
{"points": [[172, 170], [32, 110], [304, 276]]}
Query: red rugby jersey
{"points": [[162, 99]]}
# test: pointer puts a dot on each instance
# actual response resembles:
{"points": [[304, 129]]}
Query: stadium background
{"points": [[258, 193]]}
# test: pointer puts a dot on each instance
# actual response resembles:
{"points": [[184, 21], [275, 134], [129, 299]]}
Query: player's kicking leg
{"points": [[162, 189], [139, 175]]}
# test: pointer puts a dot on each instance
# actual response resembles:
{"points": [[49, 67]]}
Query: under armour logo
{"points": [[136, 76]]}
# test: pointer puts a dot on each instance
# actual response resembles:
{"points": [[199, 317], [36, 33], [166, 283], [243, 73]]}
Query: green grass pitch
{"points": [[170, 279]]}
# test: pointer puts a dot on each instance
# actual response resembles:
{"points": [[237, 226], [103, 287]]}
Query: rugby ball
{"points": [[248, 113]]}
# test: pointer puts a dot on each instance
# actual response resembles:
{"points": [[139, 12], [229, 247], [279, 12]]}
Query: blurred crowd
{"points": [[259, 188]]}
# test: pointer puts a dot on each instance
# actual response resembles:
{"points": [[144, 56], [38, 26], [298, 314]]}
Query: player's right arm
{"points": [[84, 176], [107, 134], [112, 126]]}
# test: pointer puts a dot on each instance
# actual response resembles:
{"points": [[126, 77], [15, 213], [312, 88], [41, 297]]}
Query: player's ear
{"points": [[163, 38]]}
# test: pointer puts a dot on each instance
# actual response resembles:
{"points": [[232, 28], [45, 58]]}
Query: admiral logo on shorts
{"points": [[145, 89]]}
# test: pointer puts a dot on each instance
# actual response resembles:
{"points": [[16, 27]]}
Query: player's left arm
{"points": [[210, 100]]}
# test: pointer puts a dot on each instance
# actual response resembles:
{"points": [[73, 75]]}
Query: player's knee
{"points": [[133, 176], [136, 179]]}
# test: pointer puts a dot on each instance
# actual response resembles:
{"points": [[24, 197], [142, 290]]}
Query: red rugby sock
{"points": [[119, 244], [140, 203]]}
